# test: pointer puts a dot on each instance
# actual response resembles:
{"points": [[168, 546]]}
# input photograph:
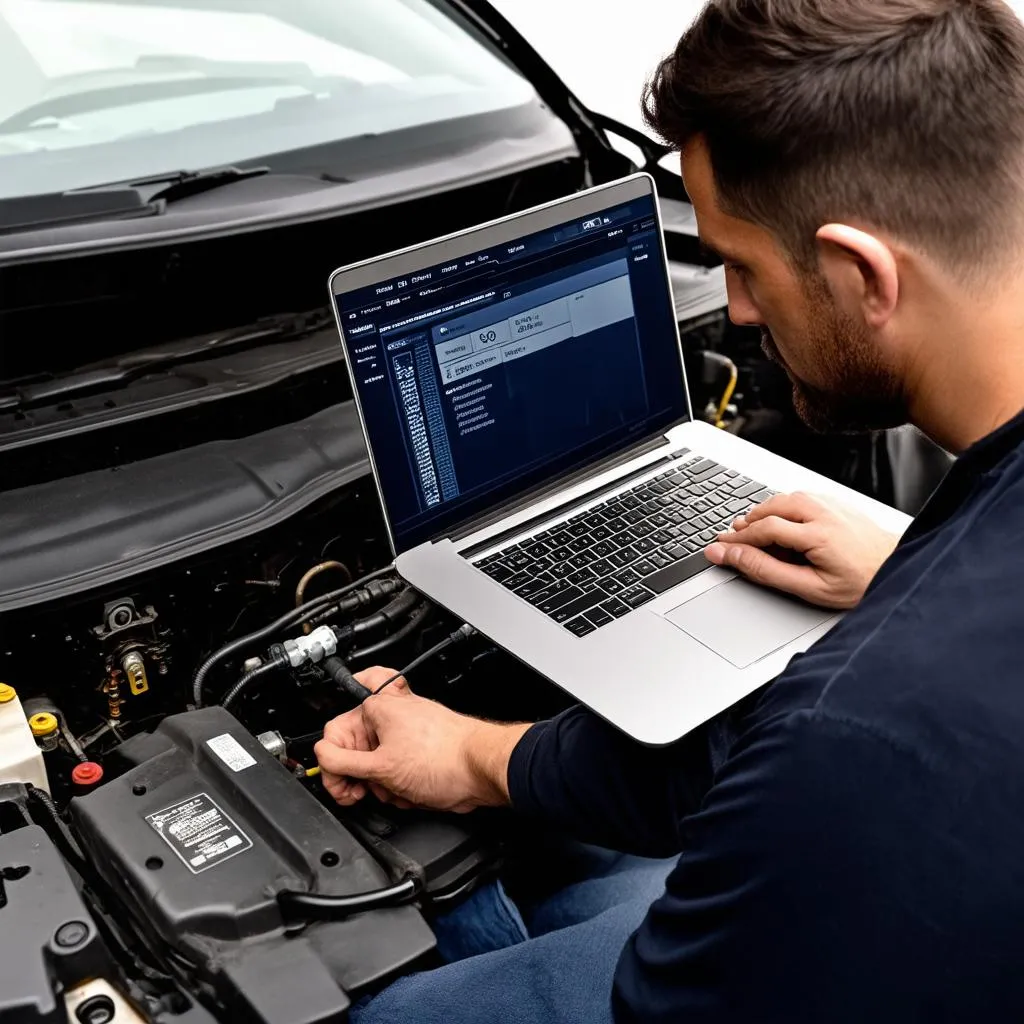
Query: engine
{"points": [[167, 851]]}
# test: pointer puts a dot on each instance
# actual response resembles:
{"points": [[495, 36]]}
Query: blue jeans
{"points": [[549, 956]]}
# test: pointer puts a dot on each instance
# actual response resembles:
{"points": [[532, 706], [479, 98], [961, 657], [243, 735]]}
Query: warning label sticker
{"points": [[231, 752], [199, 832]]}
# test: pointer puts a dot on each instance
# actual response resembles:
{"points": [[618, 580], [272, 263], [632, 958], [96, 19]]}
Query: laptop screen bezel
{"points": [[414, 259]]}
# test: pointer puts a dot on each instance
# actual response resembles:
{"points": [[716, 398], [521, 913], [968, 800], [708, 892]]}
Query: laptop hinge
{"points": [[481, 522]]}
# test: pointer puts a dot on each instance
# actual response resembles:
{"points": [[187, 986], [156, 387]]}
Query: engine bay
{"points": [[175, 857]]}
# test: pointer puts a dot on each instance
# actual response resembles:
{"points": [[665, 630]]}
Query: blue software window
{"points": [[490, 374]]}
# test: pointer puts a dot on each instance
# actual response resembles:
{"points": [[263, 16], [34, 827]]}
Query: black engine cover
{"points": [[198, 840]]}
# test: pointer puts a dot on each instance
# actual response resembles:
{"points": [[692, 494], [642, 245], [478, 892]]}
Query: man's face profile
{"points": [[840, 381]]}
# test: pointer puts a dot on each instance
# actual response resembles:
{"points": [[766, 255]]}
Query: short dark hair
{"points": [[906, 115]]}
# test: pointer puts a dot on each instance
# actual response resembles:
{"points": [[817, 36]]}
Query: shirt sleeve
{"points": [[591, 780], [797, 896]]}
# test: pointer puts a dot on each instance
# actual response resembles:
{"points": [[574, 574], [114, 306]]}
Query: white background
{"points": [[605, 50]]}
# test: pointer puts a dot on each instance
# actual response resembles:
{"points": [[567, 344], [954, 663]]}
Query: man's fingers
{"points": [[773, 530], [355, 764], [343, 791], [797, 508], [374, 678], [759, 566]]}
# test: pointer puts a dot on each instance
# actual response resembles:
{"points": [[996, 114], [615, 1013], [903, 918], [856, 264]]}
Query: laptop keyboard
{"points": [[593, 568]]}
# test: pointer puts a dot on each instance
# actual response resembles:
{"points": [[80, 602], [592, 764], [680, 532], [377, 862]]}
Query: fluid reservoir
{"points": [[21, 760]]}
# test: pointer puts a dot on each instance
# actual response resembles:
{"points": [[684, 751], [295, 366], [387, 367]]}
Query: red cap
{"points": [[88, 773]]}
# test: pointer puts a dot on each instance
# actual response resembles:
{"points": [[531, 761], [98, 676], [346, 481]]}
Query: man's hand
{"points": [[414, 752], [841, 550]]}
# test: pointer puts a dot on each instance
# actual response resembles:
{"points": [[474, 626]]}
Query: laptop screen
{"points": [[493, 373]]}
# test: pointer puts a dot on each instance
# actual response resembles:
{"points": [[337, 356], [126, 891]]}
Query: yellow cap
{"points": [[42, 724], [7, 693]]}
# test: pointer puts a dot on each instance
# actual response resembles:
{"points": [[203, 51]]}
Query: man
{"points": [[859, 855]]}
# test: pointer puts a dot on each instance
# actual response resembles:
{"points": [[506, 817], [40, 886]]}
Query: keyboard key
{"points": [[763, 495], [630, 501], [603, 548], [603, 567], [594, 520], [687, 568], [560, 554], [702, 466], [560, 538], [599, 617], [580, 627], [498, 571], [562, 569], [627, 578], [620, 559], [737, 506], [518, 560], [612, 586], [600, 533], [535, 586], [704, 475], [615, 607], [541, 565], [536, 549], [520, 579], [659, 521], [557, 597], [616, 524], [582, 561], [614, 508], [747, 490], [645, 544], [581, 576], [636, 596], [659, 560], [642, 568], [578, 530], [707, 536], [661, 537], [634, 516], [579, 544], [643, 530], [581, 604]]}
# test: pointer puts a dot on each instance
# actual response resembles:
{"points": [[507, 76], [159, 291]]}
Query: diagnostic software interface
{"points": [[493, 373]]}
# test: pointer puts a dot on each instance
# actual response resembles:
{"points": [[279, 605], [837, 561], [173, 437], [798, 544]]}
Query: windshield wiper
{"points": [[103, 376], [147, 197]]}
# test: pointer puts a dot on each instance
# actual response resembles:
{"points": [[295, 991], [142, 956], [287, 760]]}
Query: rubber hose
{"points": [[409, 628], [274, 665], [288, 619], [315, 906]]}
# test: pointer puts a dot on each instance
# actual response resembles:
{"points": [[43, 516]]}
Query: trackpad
{"points": [[743, 623]]}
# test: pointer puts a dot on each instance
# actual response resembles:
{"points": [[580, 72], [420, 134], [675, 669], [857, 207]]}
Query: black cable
{"points": [[415, 621], [295, 616], [391, 613], [373, 592], [338, 672], [317, 906], [462, 633], [278, 661]]}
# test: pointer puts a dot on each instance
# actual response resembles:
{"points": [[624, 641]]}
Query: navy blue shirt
{"points": [[859, 854]]}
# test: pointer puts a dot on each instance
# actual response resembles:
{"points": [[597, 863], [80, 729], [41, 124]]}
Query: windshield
{"points": [[95, 92]]}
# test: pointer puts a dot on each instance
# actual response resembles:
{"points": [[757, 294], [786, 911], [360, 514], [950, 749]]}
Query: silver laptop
{"points": [[522, 393]]}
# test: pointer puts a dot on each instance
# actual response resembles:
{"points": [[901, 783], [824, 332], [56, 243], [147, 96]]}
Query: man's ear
{"points": [[861, 272]]}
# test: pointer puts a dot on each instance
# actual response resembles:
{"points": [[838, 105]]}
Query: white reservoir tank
{"points": [[21, 760]]}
